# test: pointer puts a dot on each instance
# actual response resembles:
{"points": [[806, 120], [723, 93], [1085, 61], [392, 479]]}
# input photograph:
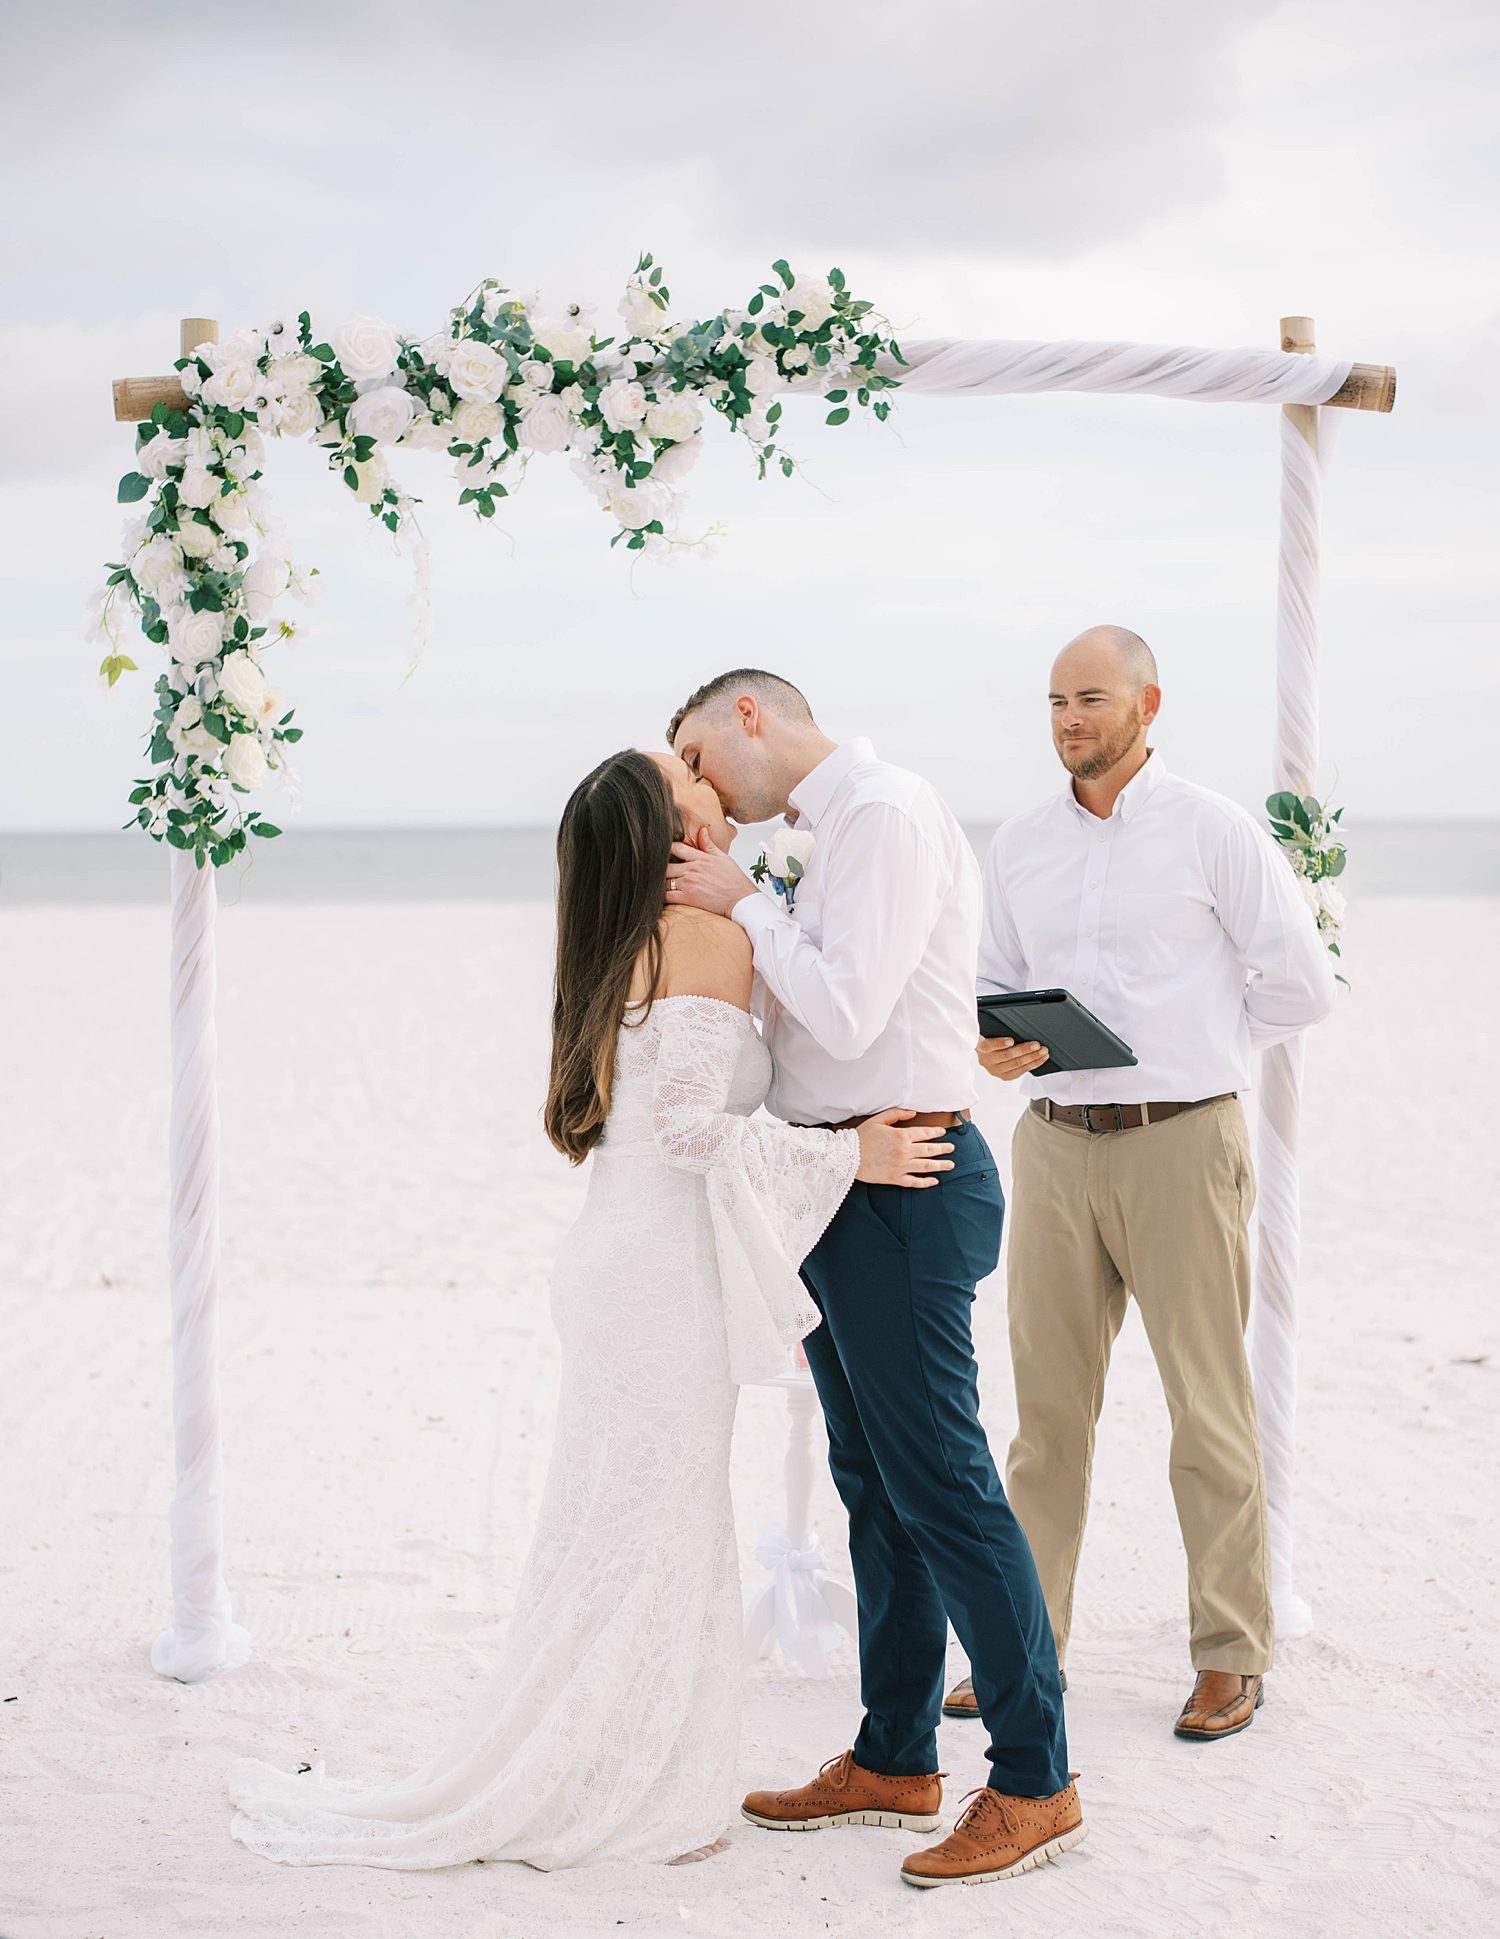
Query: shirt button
{"points": [[1093, 885]]}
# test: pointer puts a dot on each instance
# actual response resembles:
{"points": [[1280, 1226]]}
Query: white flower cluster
{"points": [[1305, 829], [205, 569]]}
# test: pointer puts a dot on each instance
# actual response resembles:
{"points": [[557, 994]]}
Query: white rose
{"points": [[546, 426], [295, 373], [195, 637], [187, 732], [623, 404], [157, 567], [241, 347], [230, 511], [197, 487], [641, 314], [476, 371], [196, 540], [537, 374], [242, 682], [762, 376], [756, 427], [676, 462], [573, 398], [797, 359], [366, 347], [473, 421], [297, 414], [786, 846], [382, 414], [1309, 893], [561, 338], [232, 386], [245, 760], [638, 506], [813, 297], [154, 457], [374, 476], [263, 583], [424, 433], [1332, 900], [674, 417]]}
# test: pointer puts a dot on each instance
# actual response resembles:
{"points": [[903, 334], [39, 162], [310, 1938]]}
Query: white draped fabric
{"points": [[1273, 1337], [993, 366], [203, 1637]]}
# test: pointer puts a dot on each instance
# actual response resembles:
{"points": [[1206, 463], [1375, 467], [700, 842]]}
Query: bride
{"points": [[610, 1728]]}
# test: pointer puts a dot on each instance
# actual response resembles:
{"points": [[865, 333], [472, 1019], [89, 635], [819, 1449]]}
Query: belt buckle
{"points": [[1089, 1125]]}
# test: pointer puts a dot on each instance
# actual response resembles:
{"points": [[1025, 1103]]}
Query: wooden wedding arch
{"points": [[1301, 383]]}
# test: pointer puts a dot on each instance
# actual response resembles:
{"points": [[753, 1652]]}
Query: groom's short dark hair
{"points": [[774, 693]]}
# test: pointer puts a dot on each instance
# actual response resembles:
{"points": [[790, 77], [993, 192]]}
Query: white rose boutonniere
{"points": [[784, 861]]}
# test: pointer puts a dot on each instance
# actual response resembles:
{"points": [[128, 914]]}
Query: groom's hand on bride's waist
{"points": [[705, 878]]}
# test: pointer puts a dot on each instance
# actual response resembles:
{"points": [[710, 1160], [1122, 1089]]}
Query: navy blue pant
{"points": [[931, 1535]]}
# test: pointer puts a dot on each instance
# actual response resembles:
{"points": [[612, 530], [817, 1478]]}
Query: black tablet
{"points": [[1075, 1038]]}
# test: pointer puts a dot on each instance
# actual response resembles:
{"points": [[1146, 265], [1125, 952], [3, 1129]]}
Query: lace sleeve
{"points": [[772, 1187]]}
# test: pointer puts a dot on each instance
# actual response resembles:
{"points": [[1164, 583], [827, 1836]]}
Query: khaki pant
{"points": [[1159, 1213]]}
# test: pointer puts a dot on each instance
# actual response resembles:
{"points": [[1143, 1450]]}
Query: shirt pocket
{"points": [[1156, 933]]}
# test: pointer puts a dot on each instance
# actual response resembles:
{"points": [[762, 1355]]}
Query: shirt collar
{"points": [[1133, 796], [813, 794]]}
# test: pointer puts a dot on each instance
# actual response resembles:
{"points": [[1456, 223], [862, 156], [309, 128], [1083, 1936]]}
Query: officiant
{"points": [[1169, 912]]}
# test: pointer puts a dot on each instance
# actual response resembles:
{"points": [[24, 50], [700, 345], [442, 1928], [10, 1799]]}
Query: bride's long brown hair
{"points": [[613, 846]]}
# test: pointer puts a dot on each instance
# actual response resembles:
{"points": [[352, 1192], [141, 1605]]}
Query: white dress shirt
{"points": [[869, 983], [1176, 921]]}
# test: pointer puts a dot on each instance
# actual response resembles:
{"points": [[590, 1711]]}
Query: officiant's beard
{"points": [[1087, 760]]}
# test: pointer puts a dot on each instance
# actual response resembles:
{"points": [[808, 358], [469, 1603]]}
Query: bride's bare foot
{"points": [[700, 1851]]}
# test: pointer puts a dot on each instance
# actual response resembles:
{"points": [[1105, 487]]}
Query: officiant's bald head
{"points": [[1132, 659]]}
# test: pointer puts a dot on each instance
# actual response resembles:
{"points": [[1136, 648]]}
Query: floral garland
{"points": [[1304, 826], [205, 565]]}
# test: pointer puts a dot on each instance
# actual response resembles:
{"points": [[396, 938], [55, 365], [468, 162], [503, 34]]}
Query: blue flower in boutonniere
{"points": [[784, 861]]}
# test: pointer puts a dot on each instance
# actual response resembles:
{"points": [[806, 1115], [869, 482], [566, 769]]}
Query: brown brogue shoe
{"points": [[845, 1793], [1222, 1705], [962, 1702], [1000, 1837]]}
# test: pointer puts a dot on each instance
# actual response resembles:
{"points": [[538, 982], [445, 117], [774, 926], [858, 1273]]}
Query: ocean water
{"points": [[1412, 858]]}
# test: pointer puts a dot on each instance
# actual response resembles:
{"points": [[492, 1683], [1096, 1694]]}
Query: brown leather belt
{"points": [[1117, 1117], [945, 1119]]}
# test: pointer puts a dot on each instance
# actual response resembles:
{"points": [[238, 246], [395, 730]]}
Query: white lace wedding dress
{"points": [[610, 1727]]}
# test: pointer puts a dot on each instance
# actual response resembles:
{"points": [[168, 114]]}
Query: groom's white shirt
{"points": [[871, 976]]}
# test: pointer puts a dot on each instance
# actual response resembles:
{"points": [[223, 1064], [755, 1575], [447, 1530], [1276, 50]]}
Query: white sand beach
{"points": [[390, 1209]]}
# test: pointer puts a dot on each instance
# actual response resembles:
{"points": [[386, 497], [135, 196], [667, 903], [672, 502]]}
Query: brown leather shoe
{"points": [[1222, 1705], [1000, 1837], [844, 1793], [962, 1702]]}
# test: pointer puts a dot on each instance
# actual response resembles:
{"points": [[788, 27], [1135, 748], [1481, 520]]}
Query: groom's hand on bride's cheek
{"points": [[704, 877]]}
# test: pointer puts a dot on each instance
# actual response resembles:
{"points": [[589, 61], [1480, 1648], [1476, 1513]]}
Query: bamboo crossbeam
{"points": [[1368, 387]]}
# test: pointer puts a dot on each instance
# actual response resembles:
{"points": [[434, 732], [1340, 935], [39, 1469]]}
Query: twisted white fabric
{"points": [[610, 1727], [1273, 1336], [204, 1636], [941, 367]]}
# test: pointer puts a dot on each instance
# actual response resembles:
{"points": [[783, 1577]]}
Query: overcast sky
{"points": [[1172, 173]]}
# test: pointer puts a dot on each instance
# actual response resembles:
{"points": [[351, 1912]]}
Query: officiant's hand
{"points": [[1004, 1057], [704, 877]]}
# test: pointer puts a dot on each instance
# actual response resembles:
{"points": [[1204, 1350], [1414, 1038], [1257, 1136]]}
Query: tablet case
{"points": [[1075, 1038]]}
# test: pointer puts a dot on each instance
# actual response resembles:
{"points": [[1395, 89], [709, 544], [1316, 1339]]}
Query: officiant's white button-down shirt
{"points": [[868, 985], [1176, 921]]}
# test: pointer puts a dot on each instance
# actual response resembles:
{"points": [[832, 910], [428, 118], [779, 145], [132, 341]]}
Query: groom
{"points": [[870, 972]]}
